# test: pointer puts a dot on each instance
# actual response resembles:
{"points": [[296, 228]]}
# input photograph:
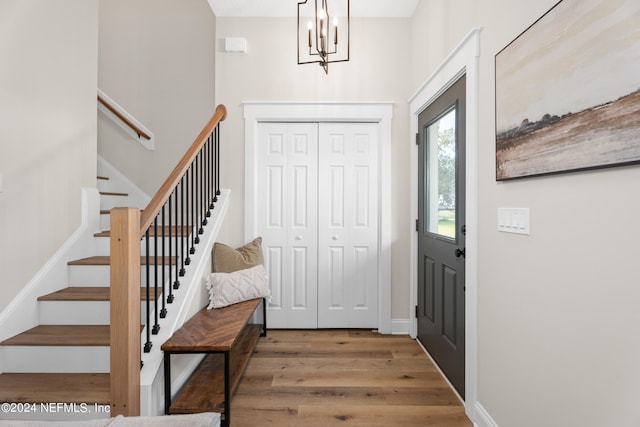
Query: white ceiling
{"points": [[284, 8]]}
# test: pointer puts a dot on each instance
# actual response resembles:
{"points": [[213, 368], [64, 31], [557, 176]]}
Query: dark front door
{"points": [[441, 230]]}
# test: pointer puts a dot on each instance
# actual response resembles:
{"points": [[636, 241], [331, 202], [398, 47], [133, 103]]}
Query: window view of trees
{"points": [[447, 168], [444, 133]]}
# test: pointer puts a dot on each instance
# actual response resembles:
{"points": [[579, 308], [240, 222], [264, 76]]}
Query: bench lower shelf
{"points": [[228, 339], [204, 390]]}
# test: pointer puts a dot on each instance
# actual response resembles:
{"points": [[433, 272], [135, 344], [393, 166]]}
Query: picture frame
{"points": [[568, 91]]}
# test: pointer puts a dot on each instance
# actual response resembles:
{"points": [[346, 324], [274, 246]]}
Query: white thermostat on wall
{"points": [[235, 44]]}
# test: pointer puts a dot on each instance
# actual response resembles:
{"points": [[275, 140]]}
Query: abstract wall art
{"points": [[568, 91]]}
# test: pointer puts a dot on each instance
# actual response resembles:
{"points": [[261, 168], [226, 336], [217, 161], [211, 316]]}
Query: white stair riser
{"points": [[27, 359], [105, 221], [185, 245], [98, 275], [83, 312], [103, 246], [108, 185], [108, 202]]}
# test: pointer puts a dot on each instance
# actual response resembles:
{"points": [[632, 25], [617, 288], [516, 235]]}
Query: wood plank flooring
{"points": [[343, 377]]}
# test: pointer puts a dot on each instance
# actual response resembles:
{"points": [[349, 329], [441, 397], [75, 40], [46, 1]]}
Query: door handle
{"points": [[460, 252], [298, 237], [334, 238]]}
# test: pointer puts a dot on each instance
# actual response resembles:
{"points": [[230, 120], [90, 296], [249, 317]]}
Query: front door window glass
{"points": [[440, 159]]}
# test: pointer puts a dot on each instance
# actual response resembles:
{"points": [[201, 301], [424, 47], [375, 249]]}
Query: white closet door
{"points": [[287, 220], [348, 225]]}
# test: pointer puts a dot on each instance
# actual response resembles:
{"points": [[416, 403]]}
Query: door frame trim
{"points": [[464, 59], [372, 112]]}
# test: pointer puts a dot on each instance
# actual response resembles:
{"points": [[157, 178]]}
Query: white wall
{"points": [[48, 81], [558, 310], [156, 60], [377, 71]]}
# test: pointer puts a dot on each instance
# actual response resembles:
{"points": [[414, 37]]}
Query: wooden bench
{"points": [[228, 339]]}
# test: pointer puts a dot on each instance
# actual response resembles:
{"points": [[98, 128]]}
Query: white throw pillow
{"points": [[242, 285]]}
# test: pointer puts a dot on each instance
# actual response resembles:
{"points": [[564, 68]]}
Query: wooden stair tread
{"points": [[55, 387], [106, 260], [204, 392], [212, 330], [113, 193], [106, 178], [62, 335], [90, 293], [184, 231]]}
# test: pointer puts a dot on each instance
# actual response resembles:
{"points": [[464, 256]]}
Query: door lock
{"points": [[460, 252]]}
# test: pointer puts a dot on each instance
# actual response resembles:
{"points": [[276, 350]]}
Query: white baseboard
{"points": [[482, 417], [401, 326]]}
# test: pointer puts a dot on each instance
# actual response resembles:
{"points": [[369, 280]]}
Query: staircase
{"points": [[65, 359], [70, 358]]}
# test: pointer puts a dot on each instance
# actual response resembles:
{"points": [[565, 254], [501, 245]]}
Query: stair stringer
{"points": [[23, 313], [189, 299]]}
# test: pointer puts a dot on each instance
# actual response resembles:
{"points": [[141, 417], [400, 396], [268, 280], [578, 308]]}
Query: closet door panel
{"points": [[287, 189], [348, 225]]}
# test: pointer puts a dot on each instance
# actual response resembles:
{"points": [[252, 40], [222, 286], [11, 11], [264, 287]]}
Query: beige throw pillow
{"points": [[242, 285], [227, 260]]}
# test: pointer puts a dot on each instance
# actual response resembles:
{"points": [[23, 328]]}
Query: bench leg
{"points": [[167, 383], [227, 389], [264, 318]]}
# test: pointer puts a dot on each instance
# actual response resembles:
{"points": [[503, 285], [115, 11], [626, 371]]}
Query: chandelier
{"points": [[323, 37]]}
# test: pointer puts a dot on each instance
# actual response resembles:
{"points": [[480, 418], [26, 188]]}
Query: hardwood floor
{"points": [[343, 377]]}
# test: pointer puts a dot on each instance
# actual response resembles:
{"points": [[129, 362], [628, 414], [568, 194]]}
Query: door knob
{"points": [[334, 237], [460, 252], [298, 237]]}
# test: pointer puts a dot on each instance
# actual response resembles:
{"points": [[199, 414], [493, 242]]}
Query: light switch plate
{"points": [[514, 220]]}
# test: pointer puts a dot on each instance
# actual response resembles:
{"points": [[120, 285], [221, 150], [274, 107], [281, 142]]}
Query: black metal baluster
{"points": [[171, 243], [163, 311], [203, 193], [147, 345], [208, 177], [192, 225], [178, 243], [196, 200], [217, 162], [156, 325], [212, 176], [187, 260]]}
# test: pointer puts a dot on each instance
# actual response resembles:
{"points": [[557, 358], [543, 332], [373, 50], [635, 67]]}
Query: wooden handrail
{"points": [[119, 115], [162, 195]]}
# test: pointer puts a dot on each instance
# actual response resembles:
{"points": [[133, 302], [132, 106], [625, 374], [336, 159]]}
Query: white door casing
{"points": [[374, 112], [464, 58]]}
